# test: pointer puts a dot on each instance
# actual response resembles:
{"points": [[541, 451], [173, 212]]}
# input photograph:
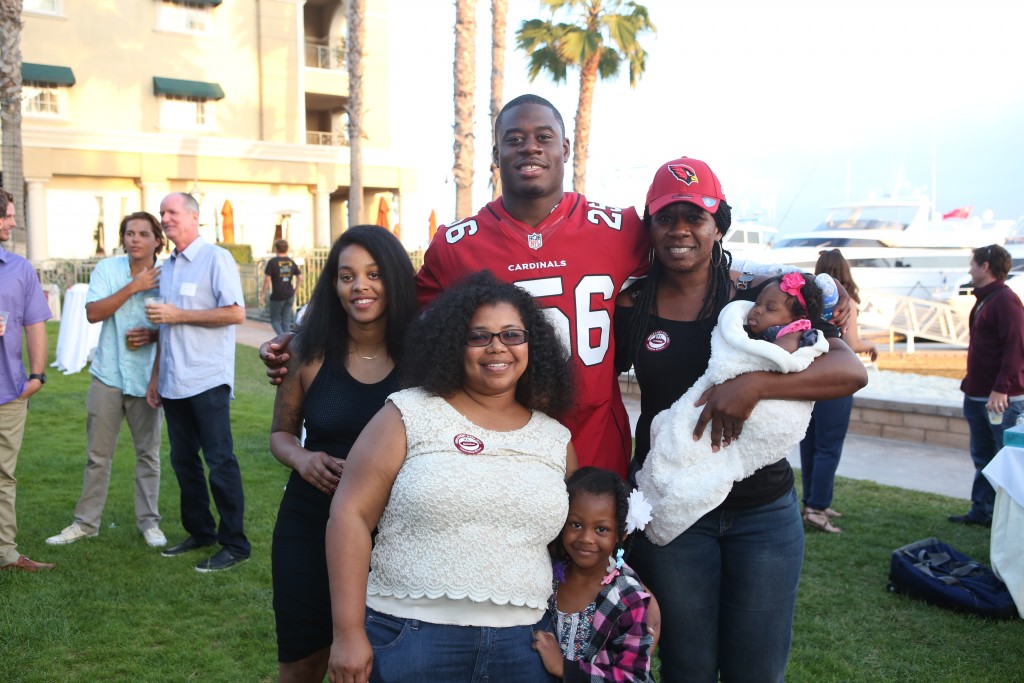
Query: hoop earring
{"points": [[718, 251]]}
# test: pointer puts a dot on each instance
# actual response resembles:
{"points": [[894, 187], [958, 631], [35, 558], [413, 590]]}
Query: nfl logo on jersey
{"points": [[534, 240]]}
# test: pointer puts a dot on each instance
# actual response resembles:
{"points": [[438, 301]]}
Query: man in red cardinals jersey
{"points": [[572, 254]]}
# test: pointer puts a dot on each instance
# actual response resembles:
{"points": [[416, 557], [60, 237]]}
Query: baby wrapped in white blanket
{"points": [[682, 478]]}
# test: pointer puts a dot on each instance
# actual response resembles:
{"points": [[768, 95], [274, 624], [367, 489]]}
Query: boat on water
{"points": [[749, 238], [895, 246]]}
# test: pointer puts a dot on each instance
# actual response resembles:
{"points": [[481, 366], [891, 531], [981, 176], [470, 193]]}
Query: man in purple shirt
{"points": [[994, 385], [22, 307]]}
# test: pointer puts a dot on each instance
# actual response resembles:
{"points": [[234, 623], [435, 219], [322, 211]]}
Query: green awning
{"points": [[46, 73], [175, 86]]}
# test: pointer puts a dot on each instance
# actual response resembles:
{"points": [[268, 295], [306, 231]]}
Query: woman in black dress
{"points": [[343, 366]]}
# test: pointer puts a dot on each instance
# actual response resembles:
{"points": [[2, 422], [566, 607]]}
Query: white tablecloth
{"points": [[78, 337], [1006, 473]]}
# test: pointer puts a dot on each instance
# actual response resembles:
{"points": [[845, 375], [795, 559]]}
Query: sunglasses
{"points": [[511, 337]]}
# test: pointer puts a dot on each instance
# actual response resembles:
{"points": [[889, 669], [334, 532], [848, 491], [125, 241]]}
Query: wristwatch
{"points": [[41, 376]]}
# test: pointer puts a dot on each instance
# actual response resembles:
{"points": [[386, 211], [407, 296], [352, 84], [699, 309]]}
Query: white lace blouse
{"points": [[470, 515]]}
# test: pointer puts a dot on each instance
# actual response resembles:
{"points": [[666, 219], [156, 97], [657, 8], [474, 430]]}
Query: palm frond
{"points": [[546, 59]]}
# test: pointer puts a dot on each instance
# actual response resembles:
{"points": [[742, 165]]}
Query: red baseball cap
{"points": [[685, 180]]}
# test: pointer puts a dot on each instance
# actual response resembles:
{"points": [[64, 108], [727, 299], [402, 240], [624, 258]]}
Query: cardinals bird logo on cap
{"points": [[683, 173]]}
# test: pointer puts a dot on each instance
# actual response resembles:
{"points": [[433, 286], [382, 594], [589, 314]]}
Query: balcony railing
{"points": [[314, 137], [325, 56]]}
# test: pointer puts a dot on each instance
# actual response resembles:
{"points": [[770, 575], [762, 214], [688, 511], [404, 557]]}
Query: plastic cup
{"points": [[151, 301], [128, 339], [995, 418]]}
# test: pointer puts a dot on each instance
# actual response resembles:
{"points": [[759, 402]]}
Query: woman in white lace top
{"points": [[463, 476]]}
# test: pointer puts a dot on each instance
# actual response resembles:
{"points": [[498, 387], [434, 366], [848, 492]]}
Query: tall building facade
{"points": [[240, 102]]}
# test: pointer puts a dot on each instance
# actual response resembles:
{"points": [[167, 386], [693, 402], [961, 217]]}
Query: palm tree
{"points": [[356, 15], [465, 92], [10, 110], [596, 38], [499, 20]]}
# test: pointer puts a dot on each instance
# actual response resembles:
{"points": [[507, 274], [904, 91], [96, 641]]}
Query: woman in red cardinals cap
{"points": [[727, 585]]}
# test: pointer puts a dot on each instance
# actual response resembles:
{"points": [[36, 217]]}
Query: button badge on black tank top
{"points": [[658, 341], [468, 444]]}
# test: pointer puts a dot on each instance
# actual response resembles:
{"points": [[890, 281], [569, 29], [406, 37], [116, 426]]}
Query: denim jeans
{"points": [[282, 314], [727, 588], [203, 422], [821, 448], [412, 651], [986, 440]]}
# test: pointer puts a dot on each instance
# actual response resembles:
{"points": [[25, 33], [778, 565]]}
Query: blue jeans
{"points": [[821, 448], [282, 314], [203, 422], [986, 440], [412, 651], [727, 588]]}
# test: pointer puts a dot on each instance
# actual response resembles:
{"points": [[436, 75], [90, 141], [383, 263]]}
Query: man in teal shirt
{"points": [[121, 369]]}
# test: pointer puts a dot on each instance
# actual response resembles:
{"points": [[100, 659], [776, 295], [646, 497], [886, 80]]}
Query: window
{"points": [[185, 16], [43, 100], [183, 112], [42, 6]]}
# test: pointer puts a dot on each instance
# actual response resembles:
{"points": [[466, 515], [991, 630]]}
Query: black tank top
{"points": [[337, 407]]}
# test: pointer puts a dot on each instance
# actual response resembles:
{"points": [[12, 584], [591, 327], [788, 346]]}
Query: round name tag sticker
{"points": [[468, 444], [658, 341]]}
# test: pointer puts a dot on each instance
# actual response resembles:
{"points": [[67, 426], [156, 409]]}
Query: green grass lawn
{"points": [[115, 610]]}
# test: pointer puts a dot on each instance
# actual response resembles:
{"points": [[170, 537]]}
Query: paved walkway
{"points": [[933, 469]]}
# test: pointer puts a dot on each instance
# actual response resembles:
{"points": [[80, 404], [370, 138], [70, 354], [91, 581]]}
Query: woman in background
{"points": [[823, 445]]}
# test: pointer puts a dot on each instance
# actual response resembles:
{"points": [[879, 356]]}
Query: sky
{"points": [[795, 104]]}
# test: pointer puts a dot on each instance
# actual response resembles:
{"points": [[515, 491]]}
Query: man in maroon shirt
{"points": [[994, 385]]}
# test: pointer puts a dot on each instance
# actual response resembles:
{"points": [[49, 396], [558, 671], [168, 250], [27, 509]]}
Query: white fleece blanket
{"points": [[682, 478]]}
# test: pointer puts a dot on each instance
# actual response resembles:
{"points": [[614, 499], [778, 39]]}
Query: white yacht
{"points": [[895, 246], [749, 238]]}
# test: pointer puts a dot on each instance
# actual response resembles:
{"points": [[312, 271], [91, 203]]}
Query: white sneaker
{"points": [[70, 534], [154, 537]]}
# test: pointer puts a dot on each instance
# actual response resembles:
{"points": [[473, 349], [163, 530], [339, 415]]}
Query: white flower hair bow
{"points": [[639, 513]]}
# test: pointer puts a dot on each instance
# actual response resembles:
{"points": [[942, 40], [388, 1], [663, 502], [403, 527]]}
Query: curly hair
{"points": [[437, 342], [154, 225], [832, 263], [645, 293], [598, 482], [812, 295], [323, 332]]}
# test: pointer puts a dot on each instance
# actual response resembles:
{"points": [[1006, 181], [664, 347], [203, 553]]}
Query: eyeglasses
{"points": [[511, 337]]}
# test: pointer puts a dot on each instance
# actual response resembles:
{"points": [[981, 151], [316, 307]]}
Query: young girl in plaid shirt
{"points": [[599, 610]]}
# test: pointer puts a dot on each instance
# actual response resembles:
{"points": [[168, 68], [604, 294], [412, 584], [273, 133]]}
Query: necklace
{"points": [[373, 357]]}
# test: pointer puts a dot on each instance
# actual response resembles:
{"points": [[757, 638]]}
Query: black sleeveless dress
{"points": [[335, 410]]}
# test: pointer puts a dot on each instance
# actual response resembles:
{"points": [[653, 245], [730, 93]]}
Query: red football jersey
{"points": [[574, 263]]}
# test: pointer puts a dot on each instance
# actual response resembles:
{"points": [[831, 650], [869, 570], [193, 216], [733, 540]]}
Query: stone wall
{"points": [[942, 425]]}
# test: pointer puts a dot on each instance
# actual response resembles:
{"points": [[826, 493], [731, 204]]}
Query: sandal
{"points": [[819, 519], [833, 514]]}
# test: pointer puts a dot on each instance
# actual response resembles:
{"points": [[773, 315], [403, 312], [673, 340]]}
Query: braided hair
{"points": [[645, 293], [598, 482]]}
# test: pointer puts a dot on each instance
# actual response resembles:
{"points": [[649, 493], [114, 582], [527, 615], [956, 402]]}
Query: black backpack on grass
{"points": [[940, 575]]}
